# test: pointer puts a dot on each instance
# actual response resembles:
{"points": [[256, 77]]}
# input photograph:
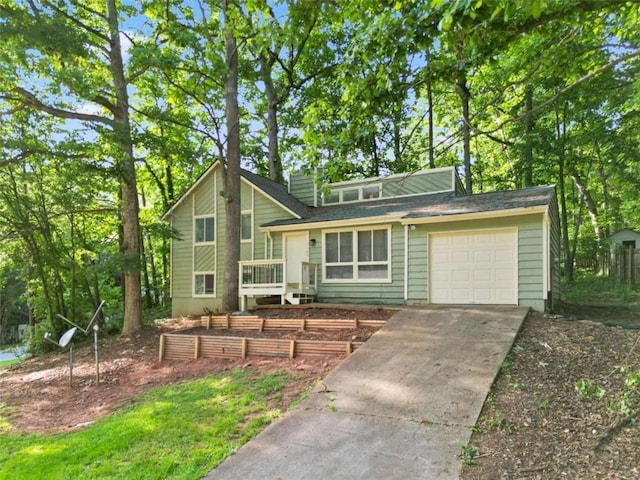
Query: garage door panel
{"points": [[460, 276], [474, 267], [481, 276]]}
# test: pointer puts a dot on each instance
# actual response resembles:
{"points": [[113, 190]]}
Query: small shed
{"points": [[627, 237], [625, 256]]}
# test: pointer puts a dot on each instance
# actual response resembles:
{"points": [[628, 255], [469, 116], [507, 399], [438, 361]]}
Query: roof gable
{"points": [[276, 192]]}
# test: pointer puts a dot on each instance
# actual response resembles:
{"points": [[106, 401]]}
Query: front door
{"points": [[296, 251]]}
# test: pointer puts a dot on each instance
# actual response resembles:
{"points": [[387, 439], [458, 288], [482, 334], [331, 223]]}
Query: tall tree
{"points": [[59, 56], [231, 167]]}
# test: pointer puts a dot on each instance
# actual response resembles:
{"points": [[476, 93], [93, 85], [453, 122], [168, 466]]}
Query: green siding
{"points": [[186, 259], [302, 186], [530, 256], [204, 197], [370, 293], [418, 291], [246, 251], [418, 183], [182, 250], [204, 258], [246, 197]]}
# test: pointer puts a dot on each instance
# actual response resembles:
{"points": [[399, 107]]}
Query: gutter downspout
{"points": [[545, 255], [270, 242], [406, 263]]}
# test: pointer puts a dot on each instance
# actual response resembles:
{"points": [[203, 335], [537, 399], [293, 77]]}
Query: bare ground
{"points": [[36, 395], [535, 425]]}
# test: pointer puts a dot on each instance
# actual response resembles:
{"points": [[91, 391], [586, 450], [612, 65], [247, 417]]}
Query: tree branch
{"points": [[563, 91], [31, 100]]}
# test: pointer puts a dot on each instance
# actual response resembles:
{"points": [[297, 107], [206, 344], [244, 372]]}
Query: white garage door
{"points": [[479, 266]]}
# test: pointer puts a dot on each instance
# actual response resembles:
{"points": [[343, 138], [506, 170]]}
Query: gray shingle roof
{"points": [[277, 192], [487, 202], [428, 205]]}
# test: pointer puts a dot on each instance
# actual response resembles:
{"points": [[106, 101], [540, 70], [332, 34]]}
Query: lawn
{"points": [[6, 363], [176, 432]]}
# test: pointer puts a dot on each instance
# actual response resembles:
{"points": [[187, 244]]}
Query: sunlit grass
{"points": [[6, 363], [177, 432]]}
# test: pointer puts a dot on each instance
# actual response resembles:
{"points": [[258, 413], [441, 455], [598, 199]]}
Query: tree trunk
{"points": [[560, 133], [528, 133], [432, 162], [463, 92], [275, 163], [232, 176], [591, 205], [126, 169]]}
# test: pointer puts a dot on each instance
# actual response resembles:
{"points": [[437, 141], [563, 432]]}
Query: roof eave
{"points": [[457, 217], [334, 223]]}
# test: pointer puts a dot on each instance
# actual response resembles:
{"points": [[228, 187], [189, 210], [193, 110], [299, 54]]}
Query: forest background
{"points": [[110, 109]]}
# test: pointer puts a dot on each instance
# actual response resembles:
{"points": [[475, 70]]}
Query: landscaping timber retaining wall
{"points": [[175, 346], [247, 322]]}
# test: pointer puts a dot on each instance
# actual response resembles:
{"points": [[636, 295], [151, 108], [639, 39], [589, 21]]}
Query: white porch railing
{"points": [[269, 277], [263, 277], [308, 277]]}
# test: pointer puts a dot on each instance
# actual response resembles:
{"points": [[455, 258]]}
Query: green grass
{"points": [[6, 363], [591, 297], [600, 291], [176, 432]]}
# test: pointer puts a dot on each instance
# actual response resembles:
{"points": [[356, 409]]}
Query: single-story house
{"points": [[626, 238], [405, 239]]}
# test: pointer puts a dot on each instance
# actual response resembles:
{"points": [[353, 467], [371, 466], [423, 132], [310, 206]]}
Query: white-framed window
{"points": [[246, 226], [353, 194], [204, 284], [204, 228], [362, 255]]}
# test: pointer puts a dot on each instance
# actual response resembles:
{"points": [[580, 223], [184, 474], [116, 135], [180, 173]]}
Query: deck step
{"points": [[299, 298]]}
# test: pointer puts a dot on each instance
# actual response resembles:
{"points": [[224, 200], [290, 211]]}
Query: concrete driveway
{"points": [[399, 407]]}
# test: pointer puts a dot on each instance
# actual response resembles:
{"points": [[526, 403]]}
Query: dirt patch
{"points": [[535, 425], [36, 396]]}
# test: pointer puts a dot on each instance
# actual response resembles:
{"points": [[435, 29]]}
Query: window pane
{"points": [[346, 247], [204, 284], [350, 195], [341, 272], [331, 247], [199, 229], [332, 197], [246, 226], [370, 192], [209, 229], [380, 252], [372, 271], [364, 246], [205, 229], [208, 284]]}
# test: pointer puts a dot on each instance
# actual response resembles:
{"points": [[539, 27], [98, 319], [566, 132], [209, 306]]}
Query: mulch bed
{"points": [[535, 425]]}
